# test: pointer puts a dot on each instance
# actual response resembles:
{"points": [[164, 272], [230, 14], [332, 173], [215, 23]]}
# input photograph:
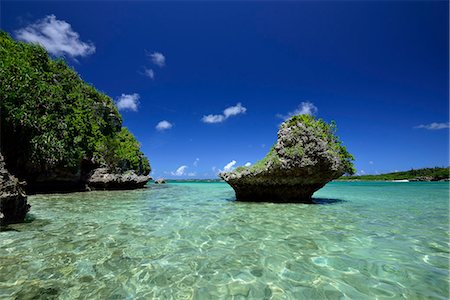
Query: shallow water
{"points": [[192, 240]]}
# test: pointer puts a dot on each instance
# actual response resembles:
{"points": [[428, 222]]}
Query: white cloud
{"points": [[163, 125], [370, 162], [229, 166], [180, 171], [195, 163], [128, 102], [213, 119], [158, 59], [149, 73], [248, 164], [234, 110], [434, 126], [227, 112], [56, 36], [191, 174], [305, 108]]}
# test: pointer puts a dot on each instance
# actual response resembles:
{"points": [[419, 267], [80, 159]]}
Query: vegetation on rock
{"points": [[120, 152], [306, 156], [296, 148], [52, 120]]}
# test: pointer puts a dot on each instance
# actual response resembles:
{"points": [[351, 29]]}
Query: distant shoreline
{"points": [[383, 180], [336, 180], [413, 175], [436, 174]]}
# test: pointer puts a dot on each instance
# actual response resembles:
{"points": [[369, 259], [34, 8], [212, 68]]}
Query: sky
{"points": [[204, 86]]}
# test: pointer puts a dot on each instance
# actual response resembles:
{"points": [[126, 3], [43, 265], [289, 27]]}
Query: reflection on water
{"points": [[187, 240]]}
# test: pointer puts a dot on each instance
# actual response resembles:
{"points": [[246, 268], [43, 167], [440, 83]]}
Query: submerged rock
{"points": [[160, 181], [102, 178], [306, 156], [13, 200]]}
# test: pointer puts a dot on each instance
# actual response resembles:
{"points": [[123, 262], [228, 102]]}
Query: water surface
{"points": [[192, 240]]}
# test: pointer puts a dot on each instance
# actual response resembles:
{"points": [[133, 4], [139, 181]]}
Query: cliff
{"points": [[55, 128]]}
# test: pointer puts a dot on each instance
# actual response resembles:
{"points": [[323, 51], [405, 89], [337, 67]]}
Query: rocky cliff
{"points": [[13, 201], [56, 128], [306, 156]]}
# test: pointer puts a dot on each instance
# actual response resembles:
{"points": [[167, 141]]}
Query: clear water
{"points": [[192, 240]]}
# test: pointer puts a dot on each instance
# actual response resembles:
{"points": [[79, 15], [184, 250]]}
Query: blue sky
{"points": [[378, 68]]}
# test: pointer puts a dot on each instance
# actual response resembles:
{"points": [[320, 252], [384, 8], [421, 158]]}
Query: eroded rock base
{"points": [[278, 193], [102, 179], [13, 200]]}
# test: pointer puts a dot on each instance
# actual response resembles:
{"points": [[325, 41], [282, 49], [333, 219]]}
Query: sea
{"points": [[193, 240]]}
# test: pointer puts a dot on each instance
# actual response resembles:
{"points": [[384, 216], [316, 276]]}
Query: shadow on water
{"points": [[11, 227], [158, 186], [326, 201], [315, 201], [4, 228], [38, 224], [29, 218]]}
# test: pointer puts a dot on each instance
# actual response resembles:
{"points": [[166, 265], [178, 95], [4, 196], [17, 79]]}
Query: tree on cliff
{"points": [[51, 120]]}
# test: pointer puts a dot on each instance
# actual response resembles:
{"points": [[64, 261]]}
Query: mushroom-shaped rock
{"points": [[306, 156], [13, 201]]}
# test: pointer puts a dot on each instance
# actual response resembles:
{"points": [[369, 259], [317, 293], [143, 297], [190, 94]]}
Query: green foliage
{"points": [[326, 132], [262, 164], [121, 152], [322, 130], [431, 173], [51, 118], [240, 168]]}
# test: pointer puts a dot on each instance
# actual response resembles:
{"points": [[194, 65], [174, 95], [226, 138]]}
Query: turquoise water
{"points": [[192, 240]]}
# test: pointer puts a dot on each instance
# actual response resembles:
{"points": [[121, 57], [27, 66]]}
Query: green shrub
{"points": [[121, 152], [321, 130], [51, 118]]}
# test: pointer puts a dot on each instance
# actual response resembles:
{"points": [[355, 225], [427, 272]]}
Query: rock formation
{"points": [[160, 181], [56, 128], [13, 201], [306, 156], [103, 179]]}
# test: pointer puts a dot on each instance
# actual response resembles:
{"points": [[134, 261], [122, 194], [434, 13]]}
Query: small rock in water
{"points": [[13, 200], [102, 178]]}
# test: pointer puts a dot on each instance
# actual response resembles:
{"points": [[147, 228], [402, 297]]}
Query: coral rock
{"points": [[13, 200], [103, 179], [306, 156]]}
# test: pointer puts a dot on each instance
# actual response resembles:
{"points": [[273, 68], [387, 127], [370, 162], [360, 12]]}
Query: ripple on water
{"points": [[191, 240]]}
